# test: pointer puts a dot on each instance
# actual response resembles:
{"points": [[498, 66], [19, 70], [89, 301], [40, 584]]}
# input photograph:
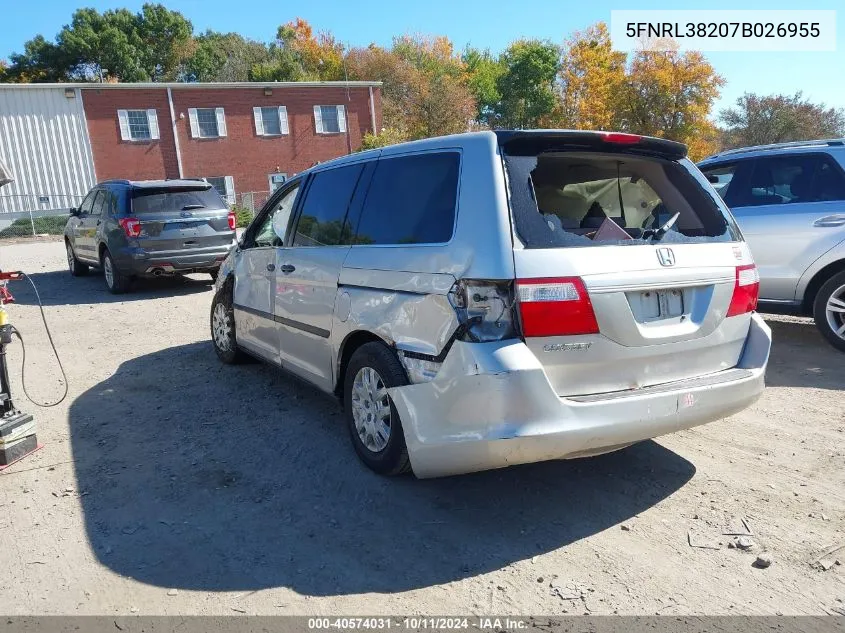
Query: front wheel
{"points": [[223, 327], [116, 281], [829, 310], [374, 424]]}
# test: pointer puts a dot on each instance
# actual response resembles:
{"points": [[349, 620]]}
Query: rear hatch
{"points": [[181, 217], [630, 270]]}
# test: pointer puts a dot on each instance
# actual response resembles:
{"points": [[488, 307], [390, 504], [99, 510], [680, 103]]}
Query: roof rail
{"points": [[122, 181], [830, 142]]}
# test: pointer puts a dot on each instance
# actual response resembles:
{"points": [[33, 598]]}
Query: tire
{"points": [[76, 267], [375, 364], [213, 274], [829, 310], [116, 281], [222, 322]]}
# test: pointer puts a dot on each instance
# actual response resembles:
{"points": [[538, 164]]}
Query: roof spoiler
{"points": [[532, 142]]}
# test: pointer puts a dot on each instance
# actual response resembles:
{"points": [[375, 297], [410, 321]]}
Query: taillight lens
{"points": [[555, 306], [746, 290], [233, 220], [130, 226]]}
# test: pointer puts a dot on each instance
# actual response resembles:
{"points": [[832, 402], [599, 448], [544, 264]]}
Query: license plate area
{"points": [[656, 305]]}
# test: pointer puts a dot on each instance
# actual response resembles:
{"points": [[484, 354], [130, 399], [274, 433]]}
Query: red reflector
{"points": [[555, 306], [621, 138], [130, 226], [233, 220], [746, 290]]}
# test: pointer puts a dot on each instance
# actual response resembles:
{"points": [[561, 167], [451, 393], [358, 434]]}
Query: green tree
{"points": [[223, 57], [758, 120], [41, 61], [527, 84], [483, 72]]}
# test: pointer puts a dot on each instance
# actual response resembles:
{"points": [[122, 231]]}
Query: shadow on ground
{"points": [[801, 357], [203, 476], [58, 288]]}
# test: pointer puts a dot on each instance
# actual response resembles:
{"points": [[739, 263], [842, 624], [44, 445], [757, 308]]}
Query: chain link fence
{"points": [[247, 205], [35, 214]]}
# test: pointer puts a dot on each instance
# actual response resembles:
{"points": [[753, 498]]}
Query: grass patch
{"points": [[50, 224]]}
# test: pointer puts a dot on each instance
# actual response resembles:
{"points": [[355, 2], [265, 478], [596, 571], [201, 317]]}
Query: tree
{"points": [[116, 44], [759, 120], [483, 72], [527, 83], [223, 57], [670, 95], [592, 80]]}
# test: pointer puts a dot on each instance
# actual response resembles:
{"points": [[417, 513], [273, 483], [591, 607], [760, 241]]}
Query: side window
{"points": [[411, 200], [85, 207], [109, 201], [265, 234], [828, 183], [322, 221], [777, 180], [99, 202], [720, 177]]}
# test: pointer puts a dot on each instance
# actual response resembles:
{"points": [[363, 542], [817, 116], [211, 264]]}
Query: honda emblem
{"points": [[665, 256]]}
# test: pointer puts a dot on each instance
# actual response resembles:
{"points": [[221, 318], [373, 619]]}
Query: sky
{"points": [[485, 24]]}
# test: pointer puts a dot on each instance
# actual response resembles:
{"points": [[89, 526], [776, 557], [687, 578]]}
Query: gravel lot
{"points": [[171, 484]]}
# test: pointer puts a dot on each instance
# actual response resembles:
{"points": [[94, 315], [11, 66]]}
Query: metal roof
{"points": [[196, 85]]}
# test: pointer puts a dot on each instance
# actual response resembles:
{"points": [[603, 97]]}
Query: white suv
{"points": [[490, 299], [789, 200]]}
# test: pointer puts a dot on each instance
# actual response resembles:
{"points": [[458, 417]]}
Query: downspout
{"points": [[175, 133], [373, 112]]}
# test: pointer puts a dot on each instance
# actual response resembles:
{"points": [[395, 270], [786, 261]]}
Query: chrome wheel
{"points": [[835, 312], [371, 409], [221, 328], [70, 256], [108, 271]]}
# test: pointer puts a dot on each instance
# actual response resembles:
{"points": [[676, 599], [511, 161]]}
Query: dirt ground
{"points": [[171, 484]]}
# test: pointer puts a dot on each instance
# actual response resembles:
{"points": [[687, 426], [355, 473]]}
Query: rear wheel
{"points": [[374, 424], [116, 281], [829, 310], [223, 327], [76, 267]]}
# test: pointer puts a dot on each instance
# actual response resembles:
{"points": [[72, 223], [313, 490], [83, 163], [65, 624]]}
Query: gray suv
{"points": [[789, 201], [149, 229], [489, 299]]}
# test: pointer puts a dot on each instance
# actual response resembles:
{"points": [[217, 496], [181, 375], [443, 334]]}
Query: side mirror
{"points": [[74, 212]]}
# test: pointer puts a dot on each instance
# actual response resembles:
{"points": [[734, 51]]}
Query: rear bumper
{"points": [[491, 405], [139, 262]]}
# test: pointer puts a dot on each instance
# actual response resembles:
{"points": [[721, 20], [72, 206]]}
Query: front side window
{"points": [[323, 218], [411, 200], [207, 122], [273, 228], [85, 207]]}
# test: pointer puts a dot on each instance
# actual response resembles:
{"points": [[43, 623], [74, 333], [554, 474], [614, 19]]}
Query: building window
{"points": [[330, 119], [138, 125], [271, 121], [276, 180], [207, 122], [224, 185]]}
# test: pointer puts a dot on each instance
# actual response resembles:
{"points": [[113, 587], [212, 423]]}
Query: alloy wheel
{"points": [[70, 256], [108, 271], [221, 328], [371, 409], [835, 312]]}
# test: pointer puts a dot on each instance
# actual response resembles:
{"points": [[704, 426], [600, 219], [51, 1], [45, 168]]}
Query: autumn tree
{"points": [[759, 120], [670, 94], [483, 71], [526, 84], [591, 81]]}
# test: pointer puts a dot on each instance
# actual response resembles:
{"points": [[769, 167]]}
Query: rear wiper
{"points": [[657, 234], [188, 207]]}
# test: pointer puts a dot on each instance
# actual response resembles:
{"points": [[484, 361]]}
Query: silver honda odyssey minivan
{"points": [[496, 298]]}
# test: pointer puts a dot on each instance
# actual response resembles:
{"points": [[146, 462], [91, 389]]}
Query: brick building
{"points": [[59, 139]]}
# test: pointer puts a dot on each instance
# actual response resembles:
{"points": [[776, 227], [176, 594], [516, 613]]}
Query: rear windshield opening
{"points": [[581, 199], [171, 199]]}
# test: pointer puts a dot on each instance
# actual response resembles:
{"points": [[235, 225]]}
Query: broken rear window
{"points": [[586, 199]]}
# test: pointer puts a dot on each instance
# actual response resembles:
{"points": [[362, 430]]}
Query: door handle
{"points": [[831, 220], [271, 267], [288, 268]]}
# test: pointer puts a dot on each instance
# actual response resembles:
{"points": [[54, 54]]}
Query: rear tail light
{"points": [[746, 290], [555, 306], [130, 226], [484, 309], [233, 220]]}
